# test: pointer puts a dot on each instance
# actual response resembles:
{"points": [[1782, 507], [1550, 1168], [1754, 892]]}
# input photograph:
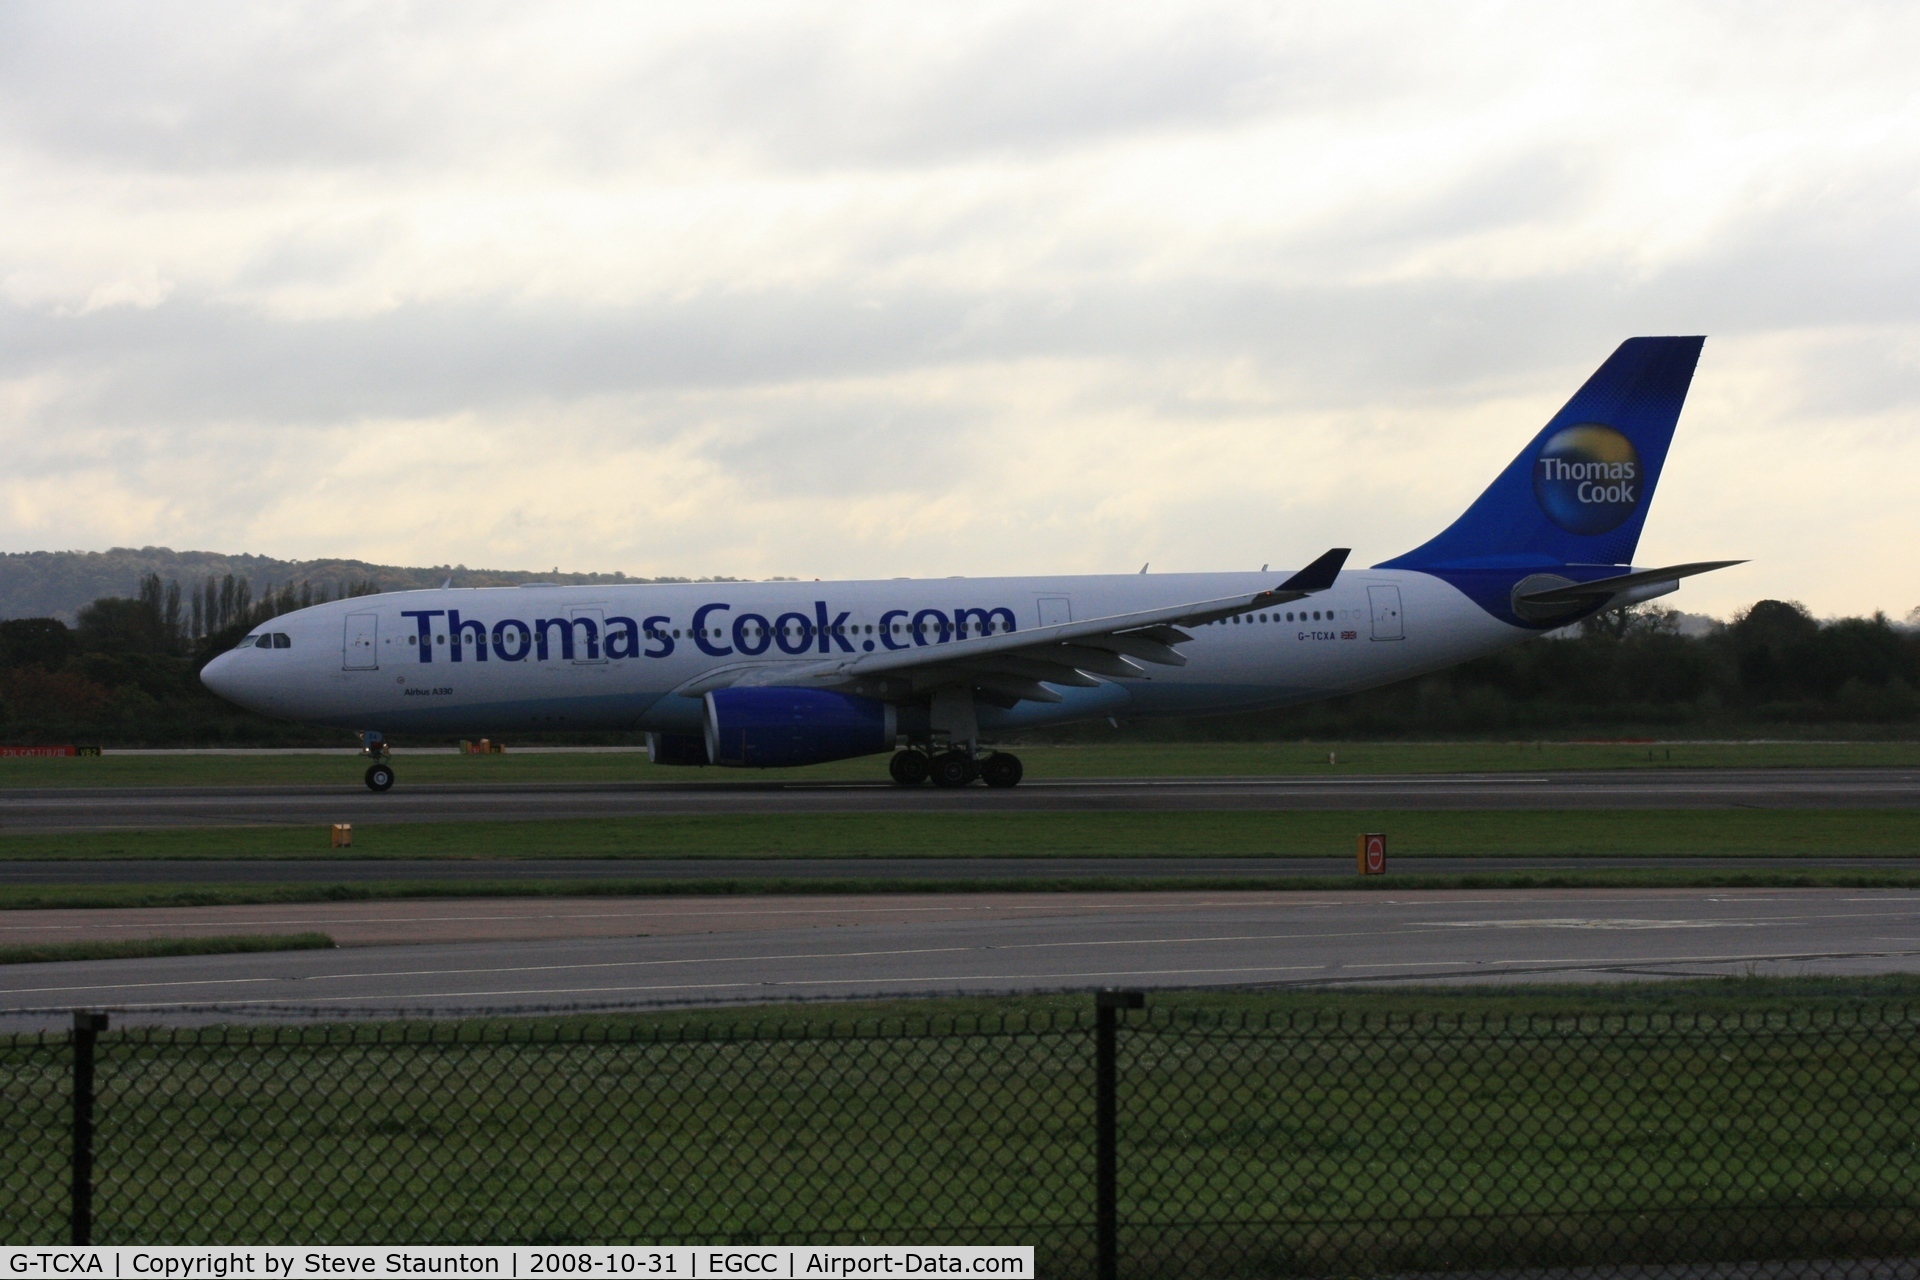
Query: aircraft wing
{"points": [[1006, 668]]}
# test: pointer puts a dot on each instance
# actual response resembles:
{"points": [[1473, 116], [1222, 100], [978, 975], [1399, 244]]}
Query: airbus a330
{"points": [[778, 674]]}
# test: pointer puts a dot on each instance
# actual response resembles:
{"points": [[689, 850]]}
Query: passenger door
{"points": [[360, 649], [1387, 622], [599, 621]]}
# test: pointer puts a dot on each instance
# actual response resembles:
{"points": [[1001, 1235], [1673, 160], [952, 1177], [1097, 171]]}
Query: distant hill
{"points": [[56, 584]]}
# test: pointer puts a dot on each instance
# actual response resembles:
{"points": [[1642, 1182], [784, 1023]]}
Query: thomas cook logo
{"points": [[1588, 478]]}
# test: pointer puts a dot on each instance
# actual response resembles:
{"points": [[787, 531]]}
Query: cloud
{"points": [[871, 290]]}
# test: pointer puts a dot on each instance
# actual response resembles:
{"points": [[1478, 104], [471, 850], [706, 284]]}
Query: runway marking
{"points": [[1049, 904], [1572, 923], [666, 961], [1627, 966], [1253, 898], [877, 908], [663, 962]]}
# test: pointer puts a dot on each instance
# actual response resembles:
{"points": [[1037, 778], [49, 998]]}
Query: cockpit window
{"points": [[247, 642], [281, 640]]}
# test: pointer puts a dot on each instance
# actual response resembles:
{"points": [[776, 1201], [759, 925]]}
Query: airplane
{"points": [[781, 674]]}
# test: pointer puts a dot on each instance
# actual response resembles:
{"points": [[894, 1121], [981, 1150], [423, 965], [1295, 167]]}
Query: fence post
{"points": [[85, 1027], [1106, 1122]]}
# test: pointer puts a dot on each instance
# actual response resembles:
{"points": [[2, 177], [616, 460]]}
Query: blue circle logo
{"points": [[1588, 478]]}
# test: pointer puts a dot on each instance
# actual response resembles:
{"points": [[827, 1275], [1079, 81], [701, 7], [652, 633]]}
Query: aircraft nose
{"points": [[222, 675]]}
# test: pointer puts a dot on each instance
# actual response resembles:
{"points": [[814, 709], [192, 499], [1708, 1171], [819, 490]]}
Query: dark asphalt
{"points": [[1225, 870], [108, 809], [1234, 940]]}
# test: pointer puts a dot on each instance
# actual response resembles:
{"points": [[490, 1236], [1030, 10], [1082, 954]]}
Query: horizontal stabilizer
{"points": [[1600, 588]]}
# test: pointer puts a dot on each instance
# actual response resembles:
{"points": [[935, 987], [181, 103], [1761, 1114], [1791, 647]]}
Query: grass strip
{"points": [[1170, 759], [1687, 1132], [1249, 833], [31, 897], [1410, 1006], [142, 948]]}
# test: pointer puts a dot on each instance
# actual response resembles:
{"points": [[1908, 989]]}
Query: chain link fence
{"points": [[1164, 1142]]}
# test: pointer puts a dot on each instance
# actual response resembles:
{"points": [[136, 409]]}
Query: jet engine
{"points": [[775, 728], [676, 748]]}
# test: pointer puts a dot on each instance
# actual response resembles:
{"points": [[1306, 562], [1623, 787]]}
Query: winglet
{"points": [[1319, 575]]}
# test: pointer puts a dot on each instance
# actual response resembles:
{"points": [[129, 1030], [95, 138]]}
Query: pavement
{"points": [[529, 955], [27, 810]]}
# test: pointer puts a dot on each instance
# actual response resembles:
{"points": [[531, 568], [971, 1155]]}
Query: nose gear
{"points": [[373, 746]]}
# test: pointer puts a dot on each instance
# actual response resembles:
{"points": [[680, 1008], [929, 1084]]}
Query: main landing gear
{"points": [[955, 768], [909, 768], [380, 777], [1002, 769]]}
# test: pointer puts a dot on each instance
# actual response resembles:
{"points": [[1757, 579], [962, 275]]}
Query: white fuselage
{"points": [[396, 663]]}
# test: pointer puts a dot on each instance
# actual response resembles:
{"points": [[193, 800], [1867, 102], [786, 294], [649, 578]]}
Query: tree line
{"points": [[1772, 669], [213, 615], [127, 674]]}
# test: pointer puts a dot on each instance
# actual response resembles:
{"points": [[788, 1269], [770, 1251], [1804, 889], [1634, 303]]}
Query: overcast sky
{"points": [[886, 289]]}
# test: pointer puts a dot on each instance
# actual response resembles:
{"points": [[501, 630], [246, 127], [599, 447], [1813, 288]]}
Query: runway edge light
{"points": [[1370, 853]]}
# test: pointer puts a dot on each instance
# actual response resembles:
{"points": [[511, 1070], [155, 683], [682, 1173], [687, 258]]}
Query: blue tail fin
{"points": [[1579, 492]]}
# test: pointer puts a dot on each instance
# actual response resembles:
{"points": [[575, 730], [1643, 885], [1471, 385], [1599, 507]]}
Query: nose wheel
{"points": [[380, 777]]}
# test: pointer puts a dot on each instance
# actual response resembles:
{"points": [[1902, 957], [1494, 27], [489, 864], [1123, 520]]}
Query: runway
{"points": [[255, 871], [703, 951], [109, 809]]}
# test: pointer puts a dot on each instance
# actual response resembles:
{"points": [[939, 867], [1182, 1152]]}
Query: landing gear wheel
{"points": [[953, 769], [908, 768], [1002, 769], [380, 777]]}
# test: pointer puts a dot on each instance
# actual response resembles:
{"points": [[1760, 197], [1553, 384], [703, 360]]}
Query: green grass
{"points": [[1261, 1133], [1628, 833], [33, 897], [141, 948], [1415, 1005], [1042, 761]]}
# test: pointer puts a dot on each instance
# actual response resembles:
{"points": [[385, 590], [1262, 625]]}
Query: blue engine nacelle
{"points": [[676, 748], [774, 728]]}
